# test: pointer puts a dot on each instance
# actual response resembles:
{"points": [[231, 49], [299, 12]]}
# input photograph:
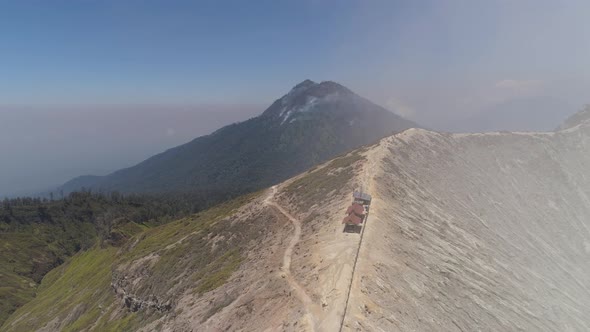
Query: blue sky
{"points": [[85, 51], [165, 51], [440, 63]]}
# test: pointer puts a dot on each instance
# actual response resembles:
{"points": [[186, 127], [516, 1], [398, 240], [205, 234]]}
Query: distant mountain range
{"points": [[312, 123]]}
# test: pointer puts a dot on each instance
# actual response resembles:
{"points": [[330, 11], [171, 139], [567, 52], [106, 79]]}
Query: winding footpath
{"points": [[286, 267]]}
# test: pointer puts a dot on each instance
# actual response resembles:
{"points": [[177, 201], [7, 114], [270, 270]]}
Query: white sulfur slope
{"points": [[482, 232]]}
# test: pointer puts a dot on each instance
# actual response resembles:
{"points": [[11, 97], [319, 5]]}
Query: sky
{"points": [[90, 86]]}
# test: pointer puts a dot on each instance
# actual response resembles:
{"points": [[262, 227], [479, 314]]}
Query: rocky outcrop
{"points": [[120, 286]]}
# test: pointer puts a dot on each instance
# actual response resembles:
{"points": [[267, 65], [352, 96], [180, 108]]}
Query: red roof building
{"points": [[352, 219], [357, 209]]}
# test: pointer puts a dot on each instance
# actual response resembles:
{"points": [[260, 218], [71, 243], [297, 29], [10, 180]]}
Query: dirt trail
{"points": [[332, 319], [286, 267]]}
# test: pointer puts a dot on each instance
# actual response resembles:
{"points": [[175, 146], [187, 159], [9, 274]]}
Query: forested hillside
{"points": [[37, 234]]}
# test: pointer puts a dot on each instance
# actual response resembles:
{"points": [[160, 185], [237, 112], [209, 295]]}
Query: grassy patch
{"points": [[186, 251], [78, 292], [23, 261], [314, 186], [79, 286], [129, 322], [218, 272], [158, 238]]}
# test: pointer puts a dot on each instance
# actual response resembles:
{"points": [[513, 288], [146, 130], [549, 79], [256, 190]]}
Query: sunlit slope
{"points": [[487, 232]]}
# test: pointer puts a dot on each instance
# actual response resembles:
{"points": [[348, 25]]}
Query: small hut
{"points": [[355, 214]]}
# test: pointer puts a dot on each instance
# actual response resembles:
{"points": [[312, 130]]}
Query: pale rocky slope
{"points": [[477, 232]]}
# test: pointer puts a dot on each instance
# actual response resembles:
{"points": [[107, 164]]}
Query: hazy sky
{"points": [[91, 86], [44, 147]]}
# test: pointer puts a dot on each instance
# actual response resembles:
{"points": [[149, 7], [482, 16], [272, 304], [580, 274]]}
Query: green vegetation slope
{"points": [[92, 289], [38, 235]]}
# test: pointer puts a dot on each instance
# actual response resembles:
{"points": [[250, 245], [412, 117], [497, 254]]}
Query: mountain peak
{"points": [[320, 89], [306, 97], [304, 85]]}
